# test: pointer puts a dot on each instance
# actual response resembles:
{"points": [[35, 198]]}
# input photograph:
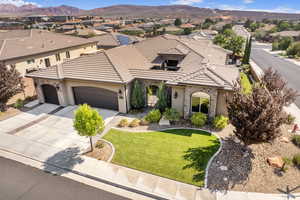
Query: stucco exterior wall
{"points": [[178, 102], [39, 60], [221, 103]]}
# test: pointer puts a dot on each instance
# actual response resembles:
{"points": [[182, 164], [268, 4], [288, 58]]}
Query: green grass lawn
{"points": [[180, 154], [246, 84]]}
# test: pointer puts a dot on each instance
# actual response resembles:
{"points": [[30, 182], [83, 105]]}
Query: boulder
{"points": [[284, 139], [276, 161]]}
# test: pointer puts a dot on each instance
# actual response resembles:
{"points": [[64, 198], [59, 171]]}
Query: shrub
{"points": [[220, 122], [172, 114], [99, 144], [19, 104], [296, 160], [198, 119], [290, 119], [296, 140], [153, 116], [123, 123], [294, 50], [134, 123], [287, 161], [144, 122], [137, 96]]}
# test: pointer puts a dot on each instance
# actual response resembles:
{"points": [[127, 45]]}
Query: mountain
{"points": [[130, 11], [30, 9]]}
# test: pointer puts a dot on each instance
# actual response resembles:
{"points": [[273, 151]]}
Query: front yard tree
{"points": [[162, 102], [88, 122], [247, 53], [10, 84], [137, 96], [258, 116], [177, 22]]}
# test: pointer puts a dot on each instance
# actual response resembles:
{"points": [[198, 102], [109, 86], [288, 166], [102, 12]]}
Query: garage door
{"points": [[96, 97], [50, 94]]}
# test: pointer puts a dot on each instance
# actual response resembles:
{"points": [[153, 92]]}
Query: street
{"points": [[289, 71], [21, 182]]}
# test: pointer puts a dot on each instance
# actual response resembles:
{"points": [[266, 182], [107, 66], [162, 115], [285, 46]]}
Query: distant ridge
{"points": [[131, 11]]}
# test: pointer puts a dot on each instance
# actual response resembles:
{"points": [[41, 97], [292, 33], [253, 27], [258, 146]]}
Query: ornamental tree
{"points": [[258, 116], [10, 84], [162, 102], [88, 122], [137, 100]]}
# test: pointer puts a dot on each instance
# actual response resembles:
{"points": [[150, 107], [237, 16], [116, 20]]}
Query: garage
{"points": [[96, 97], [50, 94]]}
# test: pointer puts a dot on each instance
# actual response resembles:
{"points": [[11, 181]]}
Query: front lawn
{"points": [[180, 154]]}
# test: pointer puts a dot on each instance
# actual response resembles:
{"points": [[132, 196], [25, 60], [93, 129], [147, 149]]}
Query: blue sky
{"points": [[290, 6]]}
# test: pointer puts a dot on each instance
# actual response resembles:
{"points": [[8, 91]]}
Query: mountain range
{"points": [[131, 11]]}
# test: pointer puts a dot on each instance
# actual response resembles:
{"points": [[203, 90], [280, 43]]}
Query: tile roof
{"points": [[125, 63], [106, 40], [20, 44]]}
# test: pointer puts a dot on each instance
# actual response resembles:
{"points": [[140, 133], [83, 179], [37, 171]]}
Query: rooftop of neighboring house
{"points": [[21, 43], [85, 32], [241, 31], [176, 60]]}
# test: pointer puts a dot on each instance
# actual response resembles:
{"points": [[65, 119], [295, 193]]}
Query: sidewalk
{"points": [[58, 162]]}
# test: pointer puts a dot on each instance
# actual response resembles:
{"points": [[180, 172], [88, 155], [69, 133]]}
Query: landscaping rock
{"points": [[284, 139], [164, 122], [223, 168], [275, 161]]}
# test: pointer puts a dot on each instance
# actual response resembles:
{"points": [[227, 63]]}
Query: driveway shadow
{"points": [[62, 161]]}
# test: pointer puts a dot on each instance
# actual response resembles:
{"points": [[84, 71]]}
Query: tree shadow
{"points": [[186, 132], [63, 161], [198, 159], [238, 162]]}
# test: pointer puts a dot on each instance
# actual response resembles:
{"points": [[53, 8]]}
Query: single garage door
{"points": [[50, 94], [96, 97]]}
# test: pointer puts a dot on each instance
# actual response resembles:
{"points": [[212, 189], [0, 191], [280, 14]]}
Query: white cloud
{"points": [[248, 1], [17, 2], [186, 2], [244, 8]]}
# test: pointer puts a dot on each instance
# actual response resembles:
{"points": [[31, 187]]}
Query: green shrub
{"points": [[245, 83], [296, 140], [198, 119], [153, 116], [294, 50], [290, 119], [123, 123], [19, 104], [134, 123], [172, 114], [99, 144], [287, 161], [220, 122], [296, 160], [144, 122]]}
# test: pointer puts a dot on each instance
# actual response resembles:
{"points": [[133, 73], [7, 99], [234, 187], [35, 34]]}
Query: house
{"points": [[34, 49], [195, 72]]}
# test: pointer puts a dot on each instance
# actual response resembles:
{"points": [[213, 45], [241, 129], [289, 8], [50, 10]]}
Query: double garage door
{"points": [[96, 97]]}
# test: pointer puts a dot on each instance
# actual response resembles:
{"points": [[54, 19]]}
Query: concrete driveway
{"points": [[53, 130]]}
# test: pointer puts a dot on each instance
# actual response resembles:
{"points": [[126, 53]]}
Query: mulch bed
{"points": [[250, 171], [103, 153]]}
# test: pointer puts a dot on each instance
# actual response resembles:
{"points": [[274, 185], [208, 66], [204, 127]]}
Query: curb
{"points": [[113, 150]]}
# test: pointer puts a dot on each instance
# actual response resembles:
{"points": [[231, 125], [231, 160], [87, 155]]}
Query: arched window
{"points": [[200, 102]]}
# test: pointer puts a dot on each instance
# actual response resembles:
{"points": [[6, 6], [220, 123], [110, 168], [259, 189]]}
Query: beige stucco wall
{"points": [[178, 102], [21, 63], [222, 105]]}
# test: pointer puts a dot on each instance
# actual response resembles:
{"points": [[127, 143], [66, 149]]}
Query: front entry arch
{"points": [[50, 94]]}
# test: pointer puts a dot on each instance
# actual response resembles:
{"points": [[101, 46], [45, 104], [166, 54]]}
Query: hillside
{"points": [[141, 11]]}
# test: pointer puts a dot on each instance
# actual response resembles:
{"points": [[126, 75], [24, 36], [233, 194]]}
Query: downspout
{"points": [[125, 88]]}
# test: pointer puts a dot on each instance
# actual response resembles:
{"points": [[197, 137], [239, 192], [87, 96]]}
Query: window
{"points": [[57, 56], [30, 61], [47, 62], [67, 54], [200, 102]]}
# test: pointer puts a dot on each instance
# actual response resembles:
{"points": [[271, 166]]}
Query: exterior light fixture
{"points": [[175, 95]]}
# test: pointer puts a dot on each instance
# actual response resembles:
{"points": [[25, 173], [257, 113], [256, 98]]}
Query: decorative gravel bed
{"points": [[234, 169]]}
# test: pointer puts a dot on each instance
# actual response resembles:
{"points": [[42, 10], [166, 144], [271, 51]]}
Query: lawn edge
{"points": [[175, 128]]}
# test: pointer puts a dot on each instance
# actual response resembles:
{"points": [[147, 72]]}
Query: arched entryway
{"points": [[50, 94], [96, 97], [200, 102]]}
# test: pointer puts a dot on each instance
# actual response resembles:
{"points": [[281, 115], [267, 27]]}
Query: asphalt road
{"points": [[289, 71], [21, 182]]}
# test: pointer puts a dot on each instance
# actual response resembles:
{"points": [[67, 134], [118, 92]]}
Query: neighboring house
{"points": [[241, 31], [195, 72], [34, 49], [293, 34]]}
